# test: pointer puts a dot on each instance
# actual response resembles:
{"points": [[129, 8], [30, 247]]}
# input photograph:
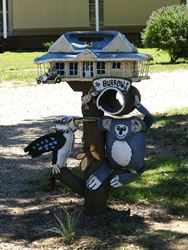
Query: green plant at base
{"points": [[66, 224], [167, 29]]}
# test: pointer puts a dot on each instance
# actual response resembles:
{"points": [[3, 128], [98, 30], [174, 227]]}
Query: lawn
{"points": [[161, 61], [18, 67]]}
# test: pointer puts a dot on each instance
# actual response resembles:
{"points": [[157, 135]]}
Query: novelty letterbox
{"points": [[103, 65], [104, 59]]}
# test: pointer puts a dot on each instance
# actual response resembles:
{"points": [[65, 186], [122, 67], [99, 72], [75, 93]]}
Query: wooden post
{"points": [[95, 201]]}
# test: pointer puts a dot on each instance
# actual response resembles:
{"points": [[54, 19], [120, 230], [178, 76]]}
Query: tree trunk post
{"points": [[95, 201]]}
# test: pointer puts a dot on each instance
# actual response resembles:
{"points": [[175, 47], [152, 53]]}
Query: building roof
{"points": [[61, 57], [94, 46]]}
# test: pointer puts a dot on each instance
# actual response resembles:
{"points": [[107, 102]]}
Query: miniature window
{"points": [[60, 67], [73, 69], [116, 65], [100, 68]]}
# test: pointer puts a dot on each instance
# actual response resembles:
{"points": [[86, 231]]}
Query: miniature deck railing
{"points": [[134, 70]]}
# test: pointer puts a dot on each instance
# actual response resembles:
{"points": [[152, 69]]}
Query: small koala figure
{"points": [[125, 149]]}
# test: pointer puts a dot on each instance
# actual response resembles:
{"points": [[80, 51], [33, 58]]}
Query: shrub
{"points": [[167, 29], [47, 45]]}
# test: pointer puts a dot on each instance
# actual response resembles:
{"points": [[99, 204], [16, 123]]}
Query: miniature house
{"points": [[85, 56]]}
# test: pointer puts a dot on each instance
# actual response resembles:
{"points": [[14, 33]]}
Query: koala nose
{"points": [[121, 131]]}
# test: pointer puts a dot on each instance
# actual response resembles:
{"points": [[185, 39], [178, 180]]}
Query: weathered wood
{"points": [[71, 180], [95, 201], [80, 86]]}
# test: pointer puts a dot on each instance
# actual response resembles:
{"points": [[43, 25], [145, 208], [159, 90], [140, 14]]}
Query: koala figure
{"points": [[125, 149]]}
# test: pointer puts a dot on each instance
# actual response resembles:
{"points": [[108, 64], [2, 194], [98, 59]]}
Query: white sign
{"points": [[119, 83]]}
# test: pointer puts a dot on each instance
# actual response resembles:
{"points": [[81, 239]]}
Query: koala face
{"points": [[121, 131]]}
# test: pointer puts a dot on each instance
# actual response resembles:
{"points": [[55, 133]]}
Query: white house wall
{"points": [[128, 69]]}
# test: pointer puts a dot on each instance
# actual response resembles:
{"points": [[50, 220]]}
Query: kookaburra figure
{"points": [[59, 143]]}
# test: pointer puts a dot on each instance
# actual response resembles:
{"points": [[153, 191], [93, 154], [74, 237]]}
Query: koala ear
{"points": [[136, 125], [106, 123]]}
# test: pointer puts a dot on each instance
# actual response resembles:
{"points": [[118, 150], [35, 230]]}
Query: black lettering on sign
{"points": [[102, 83]]}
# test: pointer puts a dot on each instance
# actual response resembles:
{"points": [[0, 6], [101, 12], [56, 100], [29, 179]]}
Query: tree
{"points": [[167, 29]]}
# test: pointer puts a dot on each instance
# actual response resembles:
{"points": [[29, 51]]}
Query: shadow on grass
{"points": [[169, 135], [23, 180], [165, 184], [162, 239], [110, 231], [166, 189]]}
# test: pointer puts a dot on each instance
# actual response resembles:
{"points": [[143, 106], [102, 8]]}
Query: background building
{"points": [[33, 22]]}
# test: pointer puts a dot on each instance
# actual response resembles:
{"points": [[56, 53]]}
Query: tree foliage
{"points": [[167, 29]]}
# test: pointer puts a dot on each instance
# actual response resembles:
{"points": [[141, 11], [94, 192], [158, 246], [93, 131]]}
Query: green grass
{"points": [[161, 61], [164, 183], [18, 67], [171, 128]]}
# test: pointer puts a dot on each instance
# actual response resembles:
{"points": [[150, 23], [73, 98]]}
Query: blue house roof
{"points": [[99, 39], [101, 46], [61, 57]]}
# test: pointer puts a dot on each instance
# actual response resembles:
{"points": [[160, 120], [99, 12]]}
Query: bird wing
{"points": [[46, 143]]}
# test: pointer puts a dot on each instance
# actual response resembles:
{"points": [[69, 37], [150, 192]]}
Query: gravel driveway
{"points": [[18, 104], [27, 112]]}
